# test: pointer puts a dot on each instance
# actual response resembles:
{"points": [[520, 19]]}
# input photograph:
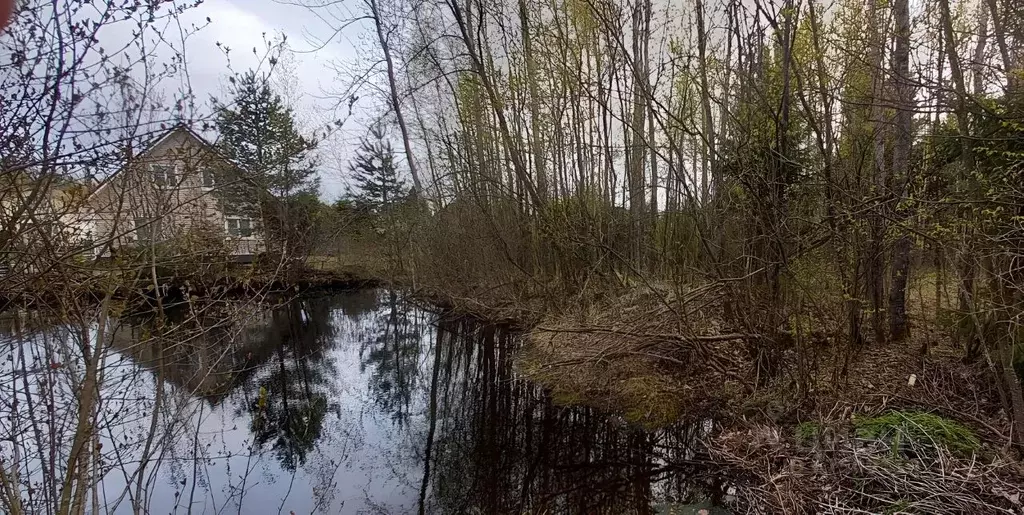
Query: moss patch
{"points": [[650, 401], [635, 389], [807, 432], [918, 429]]}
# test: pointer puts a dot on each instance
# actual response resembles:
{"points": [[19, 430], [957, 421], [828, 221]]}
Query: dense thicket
{"points": [[805, 160]]}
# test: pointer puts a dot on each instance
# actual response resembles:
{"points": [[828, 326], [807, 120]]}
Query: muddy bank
{"points": [[302, 280], [515, 314]]}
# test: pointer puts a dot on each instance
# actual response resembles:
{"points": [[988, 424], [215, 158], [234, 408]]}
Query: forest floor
{"points": [[635, 356]]}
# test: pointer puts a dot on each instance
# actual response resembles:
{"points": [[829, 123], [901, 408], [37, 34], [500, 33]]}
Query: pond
{"points": [[354, 402]]}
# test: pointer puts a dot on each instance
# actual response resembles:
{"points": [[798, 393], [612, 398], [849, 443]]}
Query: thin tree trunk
{"points": [[1009, 62], [432, 424], [385, 46], [536, 135], [708, 148], [87, 398], [898, 327], [476, 60], [967, 268], [635, 131], [876, 245]]}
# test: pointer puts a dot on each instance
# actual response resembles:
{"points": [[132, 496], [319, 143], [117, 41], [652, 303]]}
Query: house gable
{"points": [[166, 191]]}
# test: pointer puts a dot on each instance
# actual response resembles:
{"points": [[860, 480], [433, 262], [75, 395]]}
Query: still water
{"points": [[358, 402]]}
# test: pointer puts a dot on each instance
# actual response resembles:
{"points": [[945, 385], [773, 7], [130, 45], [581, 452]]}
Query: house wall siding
{"points": [[169, 211]]}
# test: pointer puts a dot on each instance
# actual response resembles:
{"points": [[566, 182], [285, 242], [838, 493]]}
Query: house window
{"points": [[241, 227], [147, 229], [163, 175], [209, 180]]}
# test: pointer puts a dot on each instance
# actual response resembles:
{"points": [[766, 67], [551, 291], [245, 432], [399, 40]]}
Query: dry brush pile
{"points": [[913, 466]]}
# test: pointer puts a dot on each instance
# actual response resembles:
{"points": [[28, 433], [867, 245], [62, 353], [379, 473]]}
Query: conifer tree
{"points": [[376, 183], [275, 166]]}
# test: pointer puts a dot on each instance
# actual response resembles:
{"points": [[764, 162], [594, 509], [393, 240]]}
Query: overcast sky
{"points": [[241, 25]]}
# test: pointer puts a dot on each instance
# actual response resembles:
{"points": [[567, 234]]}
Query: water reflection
{"points": [[390, 353], [362, 403], [292, 395], [516, 452]]}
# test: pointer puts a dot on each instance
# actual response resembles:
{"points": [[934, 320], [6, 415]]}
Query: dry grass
{"points": [[634, 355], [656, 346], [659, 356], [839, 474]]}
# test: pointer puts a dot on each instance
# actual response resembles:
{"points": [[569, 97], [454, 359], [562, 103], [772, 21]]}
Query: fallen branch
{"points": [[658, 336]]}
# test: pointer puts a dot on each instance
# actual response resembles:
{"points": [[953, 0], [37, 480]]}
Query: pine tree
{"points": [[275, 166], [377, 185]]}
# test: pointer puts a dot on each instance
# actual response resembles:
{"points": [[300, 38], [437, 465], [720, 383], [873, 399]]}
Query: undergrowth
{"points": [[918, 429], [807, 432]]}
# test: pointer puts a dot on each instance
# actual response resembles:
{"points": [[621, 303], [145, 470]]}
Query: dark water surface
{"points": [[362, 403]]}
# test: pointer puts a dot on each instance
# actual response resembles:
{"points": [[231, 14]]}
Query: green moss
{"points": [[900, 506], [807, 432], [566, 398], [918, 429], [649, 402], [653, 417]]}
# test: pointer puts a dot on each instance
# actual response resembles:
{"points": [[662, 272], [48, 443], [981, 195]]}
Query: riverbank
{"points": [[887, 429], [891, 428], [90, 285], [904, 427], [656, 355]]}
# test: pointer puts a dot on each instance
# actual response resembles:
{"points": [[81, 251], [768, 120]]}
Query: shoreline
{"points": [[791, 447], [788, 448]]}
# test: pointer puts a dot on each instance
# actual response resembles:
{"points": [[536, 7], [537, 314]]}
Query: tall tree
{"points": [[376, 183], [275, 167], [902, 143], [384, 38]]}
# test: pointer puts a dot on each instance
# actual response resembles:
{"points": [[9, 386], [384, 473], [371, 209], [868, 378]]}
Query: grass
{"points": [[645, 399], [918, 429], [901, 506]]}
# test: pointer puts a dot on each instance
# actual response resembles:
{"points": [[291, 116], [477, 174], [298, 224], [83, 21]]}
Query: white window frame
{"points": [[169, 172], [253, 227]]}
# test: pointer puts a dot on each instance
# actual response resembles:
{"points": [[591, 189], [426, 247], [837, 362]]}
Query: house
{"points": [[170, 194], [36, 210]]}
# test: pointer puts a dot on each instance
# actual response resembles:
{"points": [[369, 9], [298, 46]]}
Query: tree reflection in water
{"points": [[390, 351], [501, 446], [292, 395], [361, 402]]}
